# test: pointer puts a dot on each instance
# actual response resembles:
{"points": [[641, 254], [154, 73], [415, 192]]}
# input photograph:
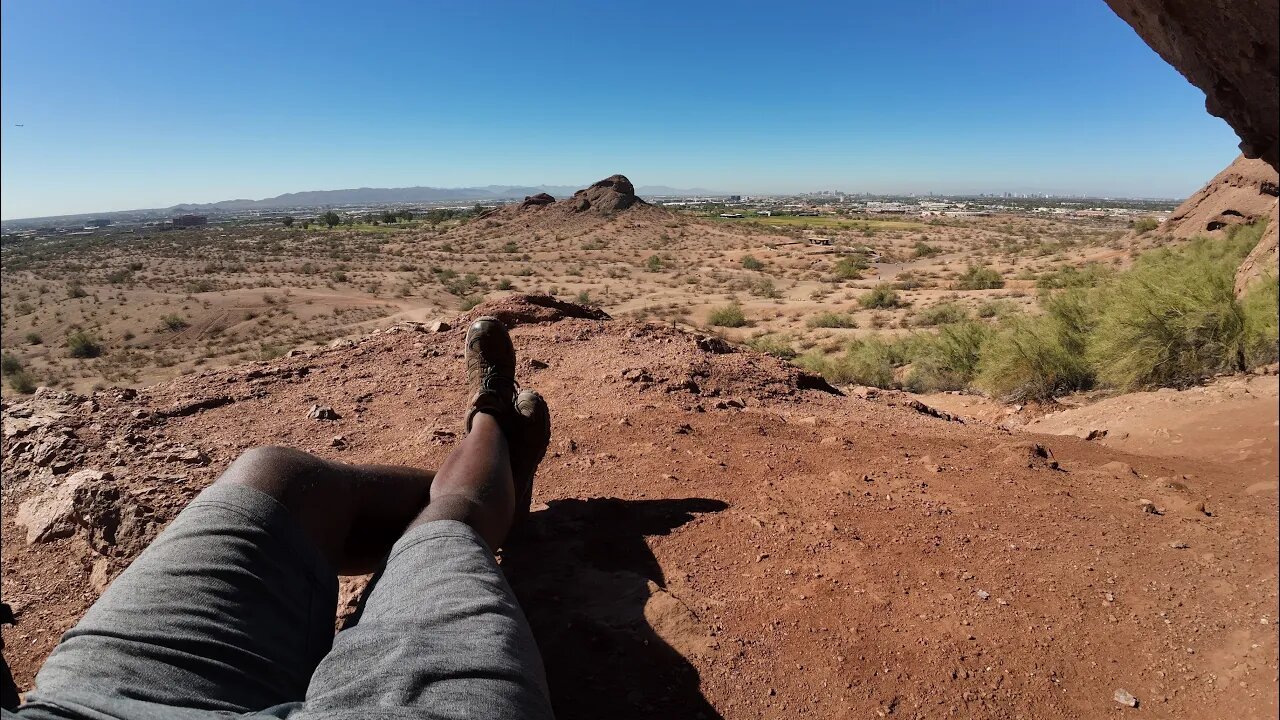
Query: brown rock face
{"points": [[1242, 193], [609, 195], [538, 200], [1230, 49]]}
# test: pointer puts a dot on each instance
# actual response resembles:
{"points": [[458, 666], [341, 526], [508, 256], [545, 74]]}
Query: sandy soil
{"points": [[712, 540]]}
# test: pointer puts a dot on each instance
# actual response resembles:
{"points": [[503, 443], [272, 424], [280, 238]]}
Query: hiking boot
{"points": [[533, 434], [491, 371]]}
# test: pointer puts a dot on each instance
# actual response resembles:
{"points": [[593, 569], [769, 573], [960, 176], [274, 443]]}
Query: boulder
{"points": [[610, 195], [89, 503], [539, 200]]}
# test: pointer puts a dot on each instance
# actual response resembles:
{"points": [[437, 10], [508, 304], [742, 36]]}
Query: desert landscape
{"points": [[814, 454]]}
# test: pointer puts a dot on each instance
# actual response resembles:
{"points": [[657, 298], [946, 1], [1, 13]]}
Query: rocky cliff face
{"points": [[1230, 49]]}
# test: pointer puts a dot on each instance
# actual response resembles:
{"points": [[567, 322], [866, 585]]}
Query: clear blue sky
{"points": [[147, 104]]}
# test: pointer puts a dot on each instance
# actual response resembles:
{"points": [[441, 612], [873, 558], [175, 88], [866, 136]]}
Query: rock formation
{"points": [[539, 200], [606, 196], [1230, 49], [1242, 193]]}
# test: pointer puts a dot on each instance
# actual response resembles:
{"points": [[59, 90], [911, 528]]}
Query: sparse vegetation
{"points": [[751, 263], [828, 319], [979, 277], [881, 296], [727, 316], [82, 345]]}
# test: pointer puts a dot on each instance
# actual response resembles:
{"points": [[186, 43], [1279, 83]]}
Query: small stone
{"points": [[322, 412], [439, 326], [1149, 507], [1178, 545], [1126, 698], [982, 594], [338, 441], [537, 364], [684, 429], [1118, 468]]}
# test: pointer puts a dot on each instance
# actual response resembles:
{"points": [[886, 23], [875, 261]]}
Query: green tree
{"points": [[288, 221], [330, 218]]}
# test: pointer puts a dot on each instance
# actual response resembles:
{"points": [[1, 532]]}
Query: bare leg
{"points": [[474, 484], [354, 513]]}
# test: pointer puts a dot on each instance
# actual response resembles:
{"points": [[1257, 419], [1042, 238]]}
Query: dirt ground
{"points": [[715, 535]]}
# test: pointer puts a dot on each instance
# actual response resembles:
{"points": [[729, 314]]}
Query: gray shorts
{"points": [[230, 613]]}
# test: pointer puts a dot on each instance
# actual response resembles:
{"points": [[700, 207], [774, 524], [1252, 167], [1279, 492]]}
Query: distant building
{"points": [[734, 198], [731, 215], [185, 221]]}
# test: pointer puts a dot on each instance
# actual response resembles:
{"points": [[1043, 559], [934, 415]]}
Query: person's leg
{"points": [[441, 634], [232, 606], [354, 513]]}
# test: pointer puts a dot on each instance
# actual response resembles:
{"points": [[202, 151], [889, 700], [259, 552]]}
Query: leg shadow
{"points": [[596, 598]]}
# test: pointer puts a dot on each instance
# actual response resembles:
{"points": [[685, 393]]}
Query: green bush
{"points": [[1173, 318], [943, 313], [654, 263], [948, 359], [1145, 225], [1261, 310], [828, 319], [174, 323], [22, 382], [850, 267], [9, 364], [1026, 360], [33, 338], [764, 287], [81, 344], [751, 263], [727, 316], [997, 309], [865, 361], [979, 277], [1091, 275], [924, 250], [880, 296], [773, 344]]}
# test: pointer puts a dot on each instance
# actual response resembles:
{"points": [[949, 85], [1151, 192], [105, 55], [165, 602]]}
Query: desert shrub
{"points": [[1069, 276], [174, 323], [1145, 225], [10, 364], [22, 382], [200, 286], [1026, 360], [880, 296], [727, 316], [923, 249], [850, 267], [1173, 318], [979, 277], [943, 313], [654, 263], [115, 277], [865, 361], [996, 308], [1260, 309], [583, 298], [81, 344], [773, 344], [828, 319], [764, 288], [751, 263], [948, 359], [33, 338], [75, 290], [504, 284]]}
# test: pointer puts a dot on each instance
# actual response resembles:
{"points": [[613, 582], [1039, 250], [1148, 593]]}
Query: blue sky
{"points": [[130, 104]]}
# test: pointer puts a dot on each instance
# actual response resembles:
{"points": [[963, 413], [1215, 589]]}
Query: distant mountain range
{"points": [[391, 196], [352, 196]]}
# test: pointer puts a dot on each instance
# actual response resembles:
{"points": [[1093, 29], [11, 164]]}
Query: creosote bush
{"points": [[880, 296], [727, 316]]}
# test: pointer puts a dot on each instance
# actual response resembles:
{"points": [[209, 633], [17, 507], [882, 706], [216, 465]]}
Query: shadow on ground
{"points": [[597, 600]]}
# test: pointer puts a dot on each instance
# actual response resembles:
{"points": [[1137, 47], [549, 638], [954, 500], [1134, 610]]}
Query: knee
{"points": [[276, 471]]}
